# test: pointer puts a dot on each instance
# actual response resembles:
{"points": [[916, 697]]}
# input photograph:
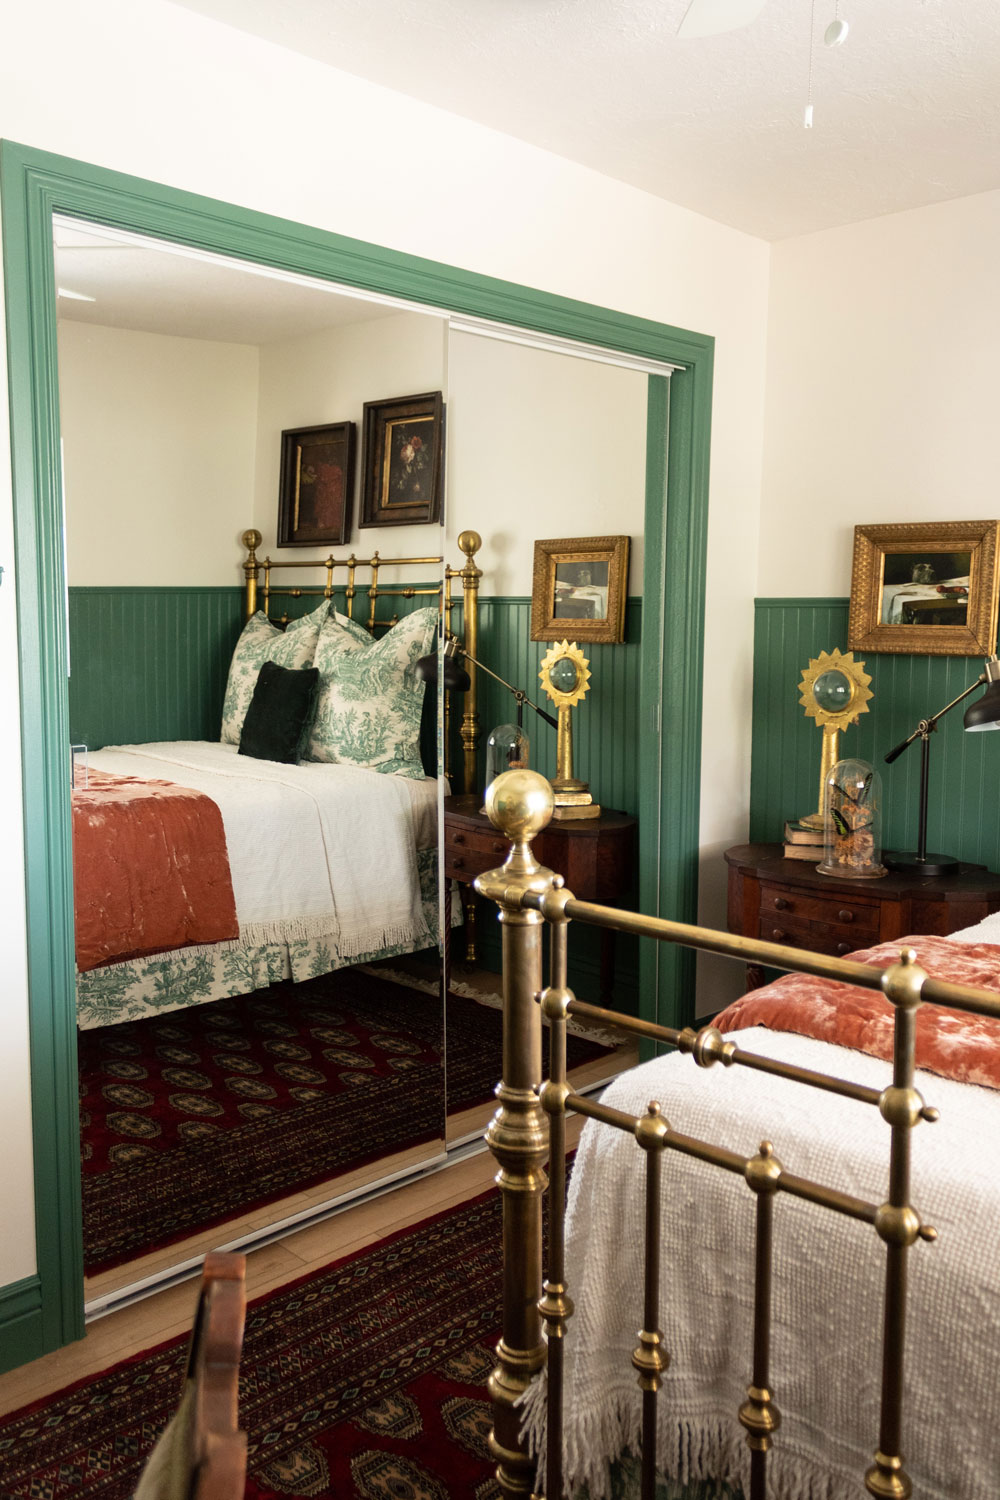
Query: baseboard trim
{"points": [[21, 1337]]}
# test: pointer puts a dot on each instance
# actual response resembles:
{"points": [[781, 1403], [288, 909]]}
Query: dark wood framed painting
{"points": [[316, 494], [579, 588], [403, 476], [927, 588]]}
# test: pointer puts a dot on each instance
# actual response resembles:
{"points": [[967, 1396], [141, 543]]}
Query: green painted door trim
{"points": [[34, 185]]}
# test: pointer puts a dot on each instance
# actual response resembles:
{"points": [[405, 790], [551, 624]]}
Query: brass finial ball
{"points": [[252, 539], [469, 542], [519, 803]]}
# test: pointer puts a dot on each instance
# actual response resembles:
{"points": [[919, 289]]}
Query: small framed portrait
{"points": [[929, 588], [403, 476], [316, 493], [579, 588]]}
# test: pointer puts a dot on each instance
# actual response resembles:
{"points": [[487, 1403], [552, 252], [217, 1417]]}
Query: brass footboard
{"points": [[529, 896]]}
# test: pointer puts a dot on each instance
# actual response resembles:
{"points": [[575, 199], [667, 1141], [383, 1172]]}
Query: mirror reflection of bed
{"points": [[172, 406]]}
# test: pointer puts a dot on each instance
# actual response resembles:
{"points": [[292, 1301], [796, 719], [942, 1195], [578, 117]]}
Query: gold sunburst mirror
{"points": [[834, 691], [565, 676]]}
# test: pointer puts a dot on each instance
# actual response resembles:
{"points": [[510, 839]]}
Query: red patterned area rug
{"points": [[193, 1118], [367, 1380]]}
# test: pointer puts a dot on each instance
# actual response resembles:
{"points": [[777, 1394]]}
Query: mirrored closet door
{"points": [[235, 1078]]}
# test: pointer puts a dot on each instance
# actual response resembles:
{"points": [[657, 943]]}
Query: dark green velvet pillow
{"points": [[279, 711]]}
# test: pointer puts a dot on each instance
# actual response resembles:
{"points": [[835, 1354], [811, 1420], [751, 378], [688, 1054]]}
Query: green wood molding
{"points": [[21, 1337], [34, 185]]}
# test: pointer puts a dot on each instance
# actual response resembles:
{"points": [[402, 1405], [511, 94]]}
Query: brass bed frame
{"points": [[259, 590], [529, 898]]}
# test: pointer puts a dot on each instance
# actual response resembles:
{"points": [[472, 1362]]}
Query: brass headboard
{"points": [[260, 590]]}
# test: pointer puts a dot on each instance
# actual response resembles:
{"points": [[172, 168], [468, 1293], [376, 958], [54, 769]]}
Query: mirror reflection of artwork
{"points": [[317, 485], [403, 474], [579, 587], [581, 590], [926, 588]]}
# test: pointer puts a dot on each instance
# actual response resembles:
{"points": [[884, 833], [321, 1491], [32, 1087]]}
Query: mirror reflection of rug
{"points": [[366, 1380], [193, 1118]]}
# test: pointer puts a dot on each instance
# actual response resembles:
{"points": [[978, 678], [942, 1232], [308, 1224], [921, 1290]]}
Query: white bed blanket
{"points": [[314, 850], [827, 1299]]}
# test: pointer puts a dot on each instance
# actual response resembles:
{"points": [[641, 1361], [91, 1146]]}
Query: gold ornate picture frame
{"points": [[927, 588], [579, 588]]}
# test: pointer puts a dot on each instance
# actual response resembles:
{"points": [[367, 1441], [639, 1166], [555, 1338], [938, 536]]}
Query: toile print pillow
{"points": [[260, 642], [369, 699]]}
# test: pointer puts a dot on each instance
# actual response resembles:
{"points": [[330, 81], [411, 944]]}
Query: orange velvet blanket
{"points": [[150, 869], [949, 1042]]}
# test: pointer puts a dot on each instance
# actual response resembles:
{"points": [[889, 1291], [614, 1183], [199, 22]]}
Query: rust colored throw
{"points": [[949, 1042], [150, 869]]}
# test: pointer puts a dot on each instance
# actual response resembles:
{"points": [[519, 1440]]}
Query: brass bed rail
{"points": [[530, 897], [362, 577]]}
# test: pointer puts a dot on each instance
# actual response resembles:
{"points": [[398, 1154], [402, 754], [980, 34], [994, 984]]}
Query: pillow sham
{"points": [[260, 642], [369, 699], [278, 713]]}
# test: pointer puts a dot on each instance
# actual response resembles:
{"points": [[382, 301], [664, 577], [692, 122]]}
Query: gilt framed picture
{"points": [[579, 588], [928, 588], [403, 476], [316, 492]]}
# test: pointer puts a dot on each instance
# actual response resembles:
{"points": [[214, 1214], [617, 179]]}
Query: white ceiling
{"points": [[907, 111], [156, 287]]}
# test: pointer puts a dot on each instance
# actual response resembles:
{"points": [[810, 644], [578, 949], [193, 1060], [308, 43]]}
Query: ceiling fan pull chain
{"points": [[808, 116]]}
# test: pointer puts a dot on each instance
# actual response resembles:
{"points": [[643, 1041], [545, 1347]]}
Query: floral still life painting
{"points": [[403, 460]]}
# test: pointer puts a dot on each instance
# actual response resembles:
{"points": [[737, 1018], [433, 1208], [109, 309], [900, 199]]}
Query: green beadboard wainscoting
{"points": [[784, 782], [149, 663], [605, 733]]}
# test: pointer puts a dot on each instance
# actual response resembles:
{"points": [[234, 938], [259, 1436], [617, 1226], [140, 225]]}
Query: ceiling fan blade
{"points": [[712, 17]]}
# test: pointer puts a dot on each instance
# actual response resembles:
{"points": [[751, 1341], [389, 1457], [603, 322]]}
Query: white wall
{"points": [[542, 445], [881, 393], [327, 377], [144, 87], [159, 438]]}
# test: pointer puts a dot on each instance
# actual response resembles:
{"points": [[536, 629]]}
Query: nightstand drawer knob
{"points": [[458, 838], [845, 915], [778, 935], [458, 864], [843, 948], [500, 847], [782, 903]]}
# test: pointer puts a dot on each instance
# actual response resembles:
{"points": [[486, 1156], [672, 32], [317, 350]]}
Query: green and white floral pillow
{"points": [[260, 642], [369, 699]]}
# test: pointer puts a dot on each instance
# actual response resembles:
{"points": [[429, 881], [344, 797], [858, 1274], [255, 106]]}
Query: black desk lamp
{"points": [[982, 715], [456, 677]]}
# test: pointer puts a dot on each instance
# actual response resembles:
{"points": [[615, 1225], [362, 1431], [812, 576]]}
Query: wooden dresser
{"points": [[788, 901], [595, 856]]}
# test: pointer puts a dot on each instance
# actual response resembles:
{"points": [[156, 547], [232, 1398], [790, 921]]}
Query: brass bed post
{"points": [[251, 570], [517, 1136], [759, 1415], [556, 1306], [896, 1222], [470, 542]]}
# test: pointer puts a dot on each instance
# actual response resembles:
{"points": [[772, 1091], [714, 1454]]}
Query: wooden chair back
{"points": [[202, 1454]]}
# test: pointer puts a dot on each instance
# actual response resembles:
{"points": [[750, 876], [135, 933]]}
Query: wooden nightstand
{"points": [[595, 856], [788, 901]]}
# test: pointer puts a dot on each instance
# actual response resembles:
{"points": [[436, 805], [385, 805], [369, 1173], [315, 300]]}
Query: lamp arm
{"points": [[925, 726], [519, 693]]}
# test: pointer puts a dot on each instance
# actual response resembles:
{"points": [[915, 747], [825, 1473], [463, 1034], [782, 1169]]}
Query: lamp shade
{"points": [[455, 675], [985, 713]]}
